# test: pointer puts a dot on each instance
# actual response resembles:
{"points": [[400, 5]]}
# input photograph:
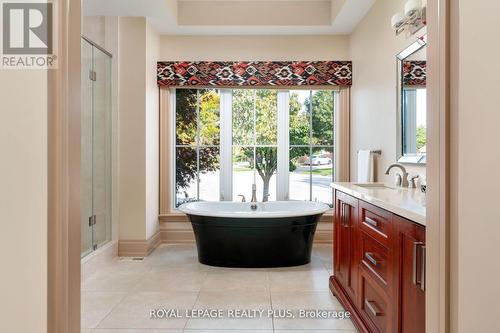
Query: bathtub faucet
{"points": [[253, 206]]}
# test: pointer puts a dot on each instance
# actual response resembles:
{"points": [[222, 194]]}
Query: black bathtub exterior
{"points": [[254, 242]]}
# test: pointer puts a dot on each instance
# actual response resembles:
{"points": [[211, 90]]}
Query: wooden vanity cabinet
{"points": [[379, 267]]}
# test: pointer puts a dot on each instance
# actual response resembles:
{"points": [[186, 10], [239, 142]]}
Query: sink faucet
{"points": [[404, 176], [253, 206]]}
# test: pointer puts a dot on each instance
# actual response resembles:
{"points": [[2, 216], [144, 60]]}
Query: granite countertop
{"points": [[406, 202]]}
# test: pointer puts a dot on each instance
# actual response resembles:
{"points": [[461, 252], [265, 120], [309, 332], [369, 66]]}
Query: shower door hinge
{"points": [[92, 75], [92, 220]]}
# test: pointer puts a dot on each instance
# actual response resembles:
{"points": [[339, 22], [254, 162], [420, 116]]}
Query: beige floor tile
{"points": [[172, 280], [230, 300], [314, 324], [305, 300], [113, 280], [134, 311], [135, 331], [182, 256], [315, 265], [315, 330], [323, 251], [171, 277], [236, 279], [233, 299], [97, 305], [299, 280], [308, 301], [228, 331]]}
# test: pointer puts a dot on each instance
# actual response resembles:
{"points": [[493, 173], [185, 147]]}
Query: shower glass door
{"points": [[95, 147]]}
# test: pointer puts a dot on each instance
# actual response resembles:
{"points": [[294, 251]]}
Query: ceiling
{"points": [[239, 17]]}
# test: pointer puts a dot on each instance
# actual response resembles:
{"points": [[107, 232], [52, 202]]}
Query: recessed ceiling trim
{"points": [[163, 15]]}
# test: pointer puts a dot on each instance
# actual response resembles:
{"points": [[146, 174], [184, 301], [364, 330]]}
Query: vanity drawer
{"points": [[374, 305], [375, 258], [376, 222]]}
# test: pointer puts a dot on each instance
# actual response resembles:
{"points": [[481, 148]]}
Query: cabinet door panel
{"points": [[346, 254], [411, 253]]}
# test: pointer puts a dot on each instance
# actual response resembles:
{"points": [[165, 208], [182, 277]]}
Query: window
{"points": [[311, 145], [197, 145], [226, 140], [255, 142]]}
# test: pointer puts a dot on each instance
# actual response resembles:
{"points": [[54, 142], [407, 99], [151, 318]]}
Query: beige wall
{"points": [[132, 128], [138, 130], [152, 132], [257, 48], [373, 49], [94, 28], [475, 226], [255, 13], [23, 200]]}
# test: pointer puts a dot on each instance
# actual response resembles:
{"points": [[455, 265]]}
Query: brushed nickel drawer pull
{"points": [[415, 273], [422, 270], [371, 222], [369, 257], [342, 213], [372, 306], [347, 216]]}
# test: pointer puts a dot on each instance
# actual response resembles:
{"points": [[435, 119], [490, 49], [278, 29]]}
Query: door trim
{"points": [[442, 33], [63, 298]]}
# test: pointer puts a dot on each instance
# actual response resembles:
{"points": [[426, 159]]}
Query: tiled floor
{"points": [[118, 299]]}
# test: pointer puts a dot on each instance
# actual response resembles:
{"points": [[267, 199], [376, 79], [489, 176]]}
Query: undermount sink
{"points": [[374, 186]]}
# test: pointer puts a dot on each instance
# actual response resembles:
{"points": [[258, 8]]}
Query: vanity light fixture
{"points": [[412, 20]]}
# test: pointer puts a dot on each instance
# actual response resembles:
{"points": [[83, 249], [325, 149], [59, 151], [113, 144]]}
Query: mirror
{"points": [[412, 102]]}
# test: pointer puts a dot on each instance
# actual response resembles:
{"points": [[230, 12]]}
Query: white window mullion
{"points": [[173, 151], [282, 172], [226, 142]]}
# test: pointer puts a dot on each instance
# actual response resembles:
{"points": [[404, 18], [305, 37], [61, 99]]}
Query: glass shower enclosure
{"points": [[95, 164]]}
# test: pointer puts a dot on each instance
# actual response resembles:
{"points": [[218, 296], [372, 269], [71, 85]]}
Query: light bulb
{"points": [[412, 7], [397, 21]]}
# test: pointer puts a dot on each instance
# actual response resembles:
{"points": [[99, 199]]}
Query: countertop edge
{"points": [[398, 210]]}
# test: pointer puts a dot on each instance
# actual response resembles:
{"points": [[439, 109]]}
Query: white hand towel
{"points": [[365, 166]]}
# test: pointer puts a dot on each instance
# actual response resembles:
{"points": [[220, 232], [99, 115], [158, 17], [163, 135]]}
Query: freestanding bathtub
{"points": [[276, 234]]}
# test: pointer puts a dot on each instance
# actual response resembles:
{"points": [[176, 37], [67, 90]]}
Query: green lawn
{"points": [[238, 169], [322, 172]]}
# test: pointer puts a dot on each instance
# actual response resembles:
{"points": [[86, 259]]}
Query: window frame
{"points": [[226, 141]]}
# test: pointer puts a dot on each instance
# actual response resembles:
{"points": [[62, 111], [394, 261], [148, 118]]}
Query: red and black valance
{"points": [[414, 73], [254, 73]]}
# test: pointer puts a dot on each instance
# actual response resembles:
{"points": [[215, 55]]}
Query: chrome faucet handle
{"points": [[243, 199], [398, 180], [411, 183]]}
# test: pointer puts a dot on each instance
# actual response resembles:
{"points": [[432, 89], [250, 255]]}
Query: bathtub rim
{"points": [[318, 208]]}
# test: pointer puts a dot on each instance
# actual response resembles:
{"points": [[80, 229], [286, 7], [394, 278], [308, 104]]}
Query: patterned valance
{"points": [[414, 73], [254, 73]]}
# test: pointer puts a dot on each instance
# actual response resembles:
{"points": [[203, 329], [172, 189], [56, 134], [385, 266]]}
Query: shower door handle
{"points": [[92, 220]]}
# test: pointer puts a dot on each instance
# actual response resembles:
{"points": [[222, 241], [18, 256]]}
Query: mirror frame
{"points": [[400, 156]]}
